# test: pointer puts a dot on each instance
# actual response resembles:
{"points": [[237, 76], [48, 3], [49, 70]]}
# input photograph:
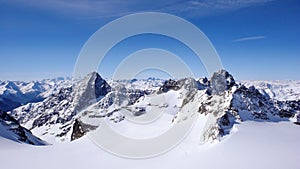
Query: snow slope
{"points": [[247, 128], [12, 130], [253, 145]]}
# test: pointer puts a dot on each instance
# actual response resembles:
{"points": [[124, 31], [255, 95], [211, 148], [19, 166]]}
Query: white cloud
{"points": [[114, 8], [249, 38]]}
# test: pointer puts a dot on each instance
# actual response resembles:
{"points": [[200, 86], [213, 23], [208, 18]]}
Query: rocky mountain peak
{"points": [[90, 89], [59, 109], [169, 85], [95, 84], [221, 81]]}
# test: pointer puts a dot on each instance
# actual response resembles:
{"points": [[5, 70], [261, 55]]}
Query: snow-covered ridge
{"points": [[52, 118], [74, 110], [277, 89], [16, 93]]}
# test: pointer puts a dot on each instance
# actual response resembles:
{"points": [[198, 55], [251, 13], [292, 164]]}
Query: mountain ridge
{"points": [[12, 130], [74, 111]]}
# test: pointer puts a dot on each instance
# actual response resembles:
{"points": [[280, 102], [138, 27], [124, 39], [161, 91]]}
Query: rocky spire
{"points": [[221, 81], [89, 89]]}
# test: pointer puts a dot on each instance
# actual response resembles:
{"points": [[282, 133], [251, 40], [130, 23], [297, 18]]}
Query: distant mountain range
{"points": [[62, 110], [16, 93]]}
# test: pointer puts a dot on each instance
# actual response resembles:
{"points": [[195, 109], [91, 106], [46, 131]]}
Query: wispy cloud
{"points": [[249, 38], [113, 8]]}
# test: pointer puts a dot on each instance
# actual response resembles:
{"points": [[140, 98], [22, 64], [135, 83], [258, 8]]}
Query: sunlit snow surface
{"points": [[251, 145]]}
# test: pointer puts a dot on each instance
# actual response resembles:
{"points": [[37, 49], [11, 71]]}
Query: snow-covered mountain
{"points": [[219, 97], [75, 110], [237, 103], [150, 84], [55, 118], [12, 130], [226, 103], [52, 118], [16, 93], [277, 89]]}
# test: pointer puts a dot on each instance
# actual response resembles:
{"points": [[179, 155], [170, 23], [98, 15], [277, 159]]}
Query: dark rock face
{"points": [[53, 102], [91, 88], [139, 111], [298, 119], [188, 84], [134, 95], [100, 86], [77, 130], [204, 81], [169, 85], [226, 122], [21, 133], [221, 81], [80, 129], [288, 108]]}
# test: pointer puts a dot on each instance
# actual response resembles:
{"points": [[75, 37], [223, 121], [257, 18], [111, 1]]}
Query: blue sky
{"points": [[255, 39]]}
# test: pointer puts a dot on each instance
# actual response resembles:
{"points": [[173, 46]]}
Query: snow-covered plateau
{"points": [[245, 124]]}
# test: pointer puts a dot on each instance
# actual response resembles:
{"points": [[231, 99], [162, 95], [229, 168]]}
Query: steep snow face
{"points": [[52, 118], [280, 90], [14, 93], [12, 130]]}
